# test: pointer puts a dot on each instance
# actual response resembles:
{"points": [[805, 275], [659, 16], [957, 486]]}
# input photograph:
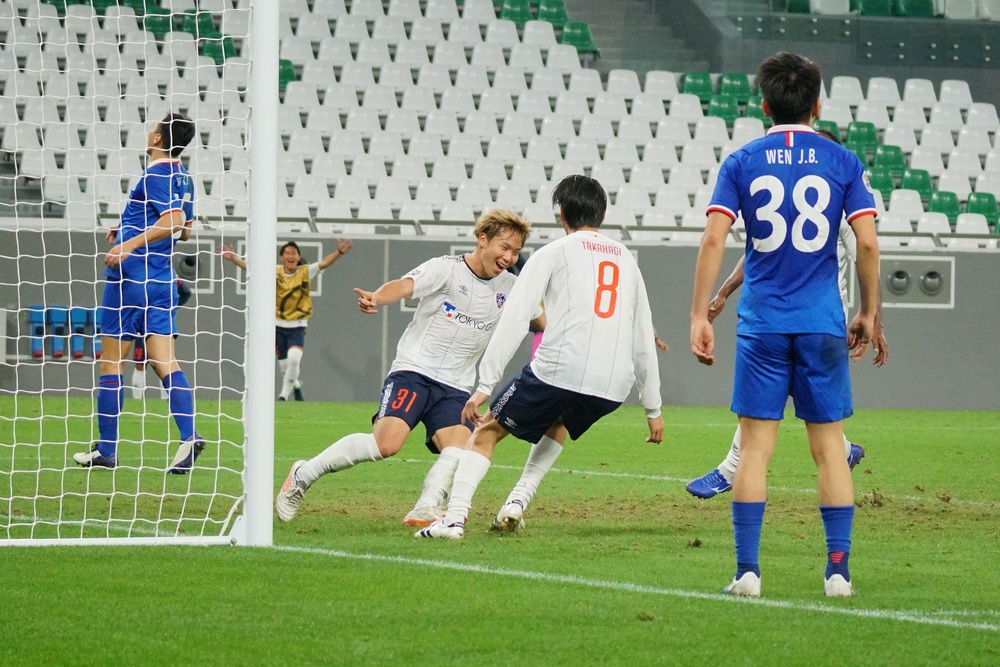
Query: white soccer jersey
{"points": [[847, 255], [455, 318], [599, 330]]}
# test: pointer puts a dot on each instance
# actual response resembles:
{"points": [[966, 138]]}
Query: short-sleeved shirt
{"points": [[165, 186], [454, 320], [792, 187], [293, 303]]}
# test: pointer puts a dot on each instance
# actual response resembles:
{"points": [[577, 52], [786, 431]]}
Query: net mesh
{"points": [[82, 86]]}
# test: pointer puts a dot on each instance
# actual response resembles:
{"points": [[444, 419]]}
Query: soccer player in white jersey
{"points": [[720, 480], [598, 342], [792, 188], [461, 299]]}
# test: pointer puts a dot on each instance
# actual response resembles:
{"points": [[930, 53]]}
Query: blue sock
{"points": [[837, 522], [181, 401], [110, 397], [748, 519]]}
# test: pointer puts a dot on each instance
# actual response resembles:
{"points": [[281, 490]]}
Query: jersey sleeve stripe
{"points": [[721, 209], [857, 214]]}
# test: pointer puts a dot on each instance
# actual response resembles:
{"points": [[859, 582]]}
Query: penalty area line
{"points": [[902, 616]]}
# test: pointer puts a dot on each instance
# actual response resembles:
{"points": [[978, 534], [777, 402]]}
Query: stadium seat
{"points": [[906, 204], [883, 89], [960, 10], [875, 113], [585, 150], [945, 202], [846, 89], [686, 107], [881, 179], [544, 149], [756, 110], [837, 111], [928, 159], [660, 84], [540, 33], [553, 12], [983, 115], [491, 171], [919, 180], [955, 182], [442, 10], [482, 11], [737, 85], [746, 130], [965, 161], [913, 8], [948, 115], [725, 107], [902, 136], [919, 90], [699, 84], [984, 203], [563, 58], [987, 182], [530, 172], [527, 57], [891, 158], [971, 223], [937, 137], [577, 34], [520, 126], [827, 126], [624, 82], [518, 11], [956, 91], [573, 105]]}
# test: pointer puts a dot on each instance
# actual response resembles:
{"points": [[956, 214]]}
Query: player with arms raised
{"points": [[792, 187], [598, 342]]}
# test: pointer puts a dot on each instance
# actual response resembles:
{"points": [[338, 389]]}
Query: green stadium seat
{"points": [[553, 11], [985, 203], [915, 8], [698, 83], [100, 6], [142, 6], [577, 33], [945, 202], [872, 7], [798, 6], [890, 157], [725, 107], [200, 24], [755, 110], [827, 126], [518, 11], [158, 23], [286, 73], [863, 135], [919, 180], [219, 49], [737, 85], [880, 178], [860, 151]]}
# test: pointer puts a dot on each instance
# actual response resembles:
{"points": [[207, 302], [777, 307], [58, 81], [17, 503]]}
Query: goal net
{"points": [[83, 84]]}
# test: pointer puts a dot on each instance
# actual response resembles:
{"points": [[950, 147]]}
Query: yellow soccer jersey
{"points": [[293, 304]]}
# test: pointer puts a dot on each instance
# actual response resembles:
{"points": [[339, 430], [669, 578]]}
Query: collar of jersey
{"points": [[165, 160], [790, 128], [466, 262]]}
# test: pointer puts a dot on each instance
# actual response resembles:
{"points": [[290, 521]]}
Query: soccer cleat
{"points": [[94, 459], [748, 585], [291, 494], [441, 530], [709, 485], [282, 398], [510, 518], [838, 587], [854, 458], [186, 454], [420, 517], [297, 393]]}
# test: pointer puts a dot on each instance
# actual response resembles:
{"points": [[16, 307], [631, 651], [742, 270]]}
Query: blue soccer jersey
{"points": [[792, 187], [165, 186]]}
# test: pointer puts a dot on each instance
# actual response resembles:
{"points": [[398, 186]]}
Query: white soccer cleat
{"points": [[748, 585], [838, 587], [420, 517], [291, 494], [441, 530], [510, 518], [94, 459]]}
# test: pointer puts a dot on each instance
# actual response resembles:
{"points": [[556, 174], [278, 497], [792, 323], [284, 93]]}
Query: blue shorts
{"points": [[811, 368], [132, 309], [528, 407], [286, 338], [416, 398]]}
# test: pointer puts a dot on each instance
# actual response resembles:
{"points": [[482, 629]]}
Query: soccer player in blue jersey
{"points": [[792, 188], [140, 298]]}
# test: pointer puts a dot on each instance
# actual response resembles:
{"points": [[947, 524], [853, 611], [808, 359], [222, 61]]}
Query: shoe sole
{"points": [[705, 496], [507, 526], [289, 480], [417, 523]]}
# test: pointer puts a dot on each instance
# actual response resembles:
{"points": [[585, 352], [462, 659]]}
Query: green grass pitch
{"points": [[617, 564]]}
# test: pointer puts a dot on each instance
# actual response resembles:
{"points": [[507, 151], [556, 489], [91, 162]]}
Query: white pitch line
{"points": [[919, 617]]}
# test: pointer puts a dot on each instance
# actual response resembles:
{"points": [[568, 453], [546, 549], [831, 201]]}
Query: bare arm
{"points": [[713, 245], [538, 324], [862, 327], [732, 283], [342, 249], [227, 253], [391, 292], [164, 227]]}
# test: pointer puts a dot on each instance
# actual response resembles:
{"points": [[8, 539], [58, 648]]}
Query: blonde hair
{"points": [[498, 221]]}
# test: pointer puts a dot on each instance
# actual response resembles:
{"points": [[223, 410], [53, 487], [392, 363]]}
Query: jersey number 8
{"points": [[807, 212]]}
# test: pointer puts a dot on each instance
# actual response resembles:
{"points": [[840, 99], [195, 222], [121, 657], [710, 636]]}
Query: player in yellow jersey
{"points": [[293, 307]]}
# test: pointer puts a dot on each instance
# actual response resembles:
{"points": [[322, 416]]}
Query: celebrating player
{"points": [[720, 480], [293, 308], [140, 298], [597, 343], [792, 188], [461, 299]]}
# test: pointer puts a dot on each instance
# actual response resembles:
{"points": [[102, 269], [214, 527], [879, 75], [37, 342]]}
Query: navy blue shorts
{"points": [[132, 309], [416, 398], [286, 338], [811, 368], [528, 407]]}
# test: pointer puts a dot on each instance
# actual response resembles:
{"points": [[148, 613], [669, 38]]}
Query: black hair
{"points": [[290, 244], [176, 131], [583, 201], [790, 85], [829, 135]]}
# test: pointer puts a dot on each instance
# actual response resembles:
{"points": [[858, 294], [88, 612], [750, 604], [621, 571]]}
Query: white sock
{"points": [[847, 447], [293, 365], [472, 467], [437, 483], [138, 382], [728, 466], [341, 455], [540, 460]]}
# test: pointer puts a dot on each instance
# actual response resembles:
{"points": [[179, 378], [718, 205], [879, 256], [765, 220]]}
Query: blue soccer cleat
{"points": [[186, 454], [708, 485], [854, 458], [94, 459]]}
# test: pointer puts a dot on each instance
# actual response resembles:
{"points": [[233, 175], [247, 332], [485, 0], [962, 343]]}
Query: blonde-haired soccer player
{"points": [[461, 299]]}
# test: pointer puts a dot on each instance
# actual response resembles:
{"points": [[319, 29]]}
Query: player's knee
{"points": [[388, 446]]}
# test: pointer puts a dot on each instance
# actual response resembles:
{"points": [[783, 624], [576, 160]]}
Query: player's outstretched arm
{"points": [[228, 254], [343, 247], [164, 227], [713, 245], [732, 283], [391, 292]]}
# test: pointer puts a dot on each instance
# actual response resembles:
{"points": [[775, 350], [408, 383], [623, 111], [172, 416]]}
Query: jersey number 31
{"points": [[806, 212]]}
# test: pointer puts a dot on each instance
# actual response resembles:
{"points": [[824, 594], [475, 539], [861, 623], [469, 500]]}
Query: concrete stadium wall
{"points": [[939, 357]]}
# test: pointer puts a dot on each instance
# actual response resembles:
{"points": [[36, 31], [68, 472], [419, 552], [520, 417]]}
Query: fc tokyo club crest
{"points": [[501, 299]]}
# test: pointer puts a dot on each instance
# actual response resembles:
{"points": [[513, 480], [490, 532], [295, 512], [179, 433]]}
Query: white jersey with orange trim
{"points": [[599, 330]]}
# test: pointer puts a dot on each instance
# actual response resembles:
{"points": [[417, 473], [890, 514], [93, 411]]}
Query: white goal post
{"points": [[83, 84]]}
